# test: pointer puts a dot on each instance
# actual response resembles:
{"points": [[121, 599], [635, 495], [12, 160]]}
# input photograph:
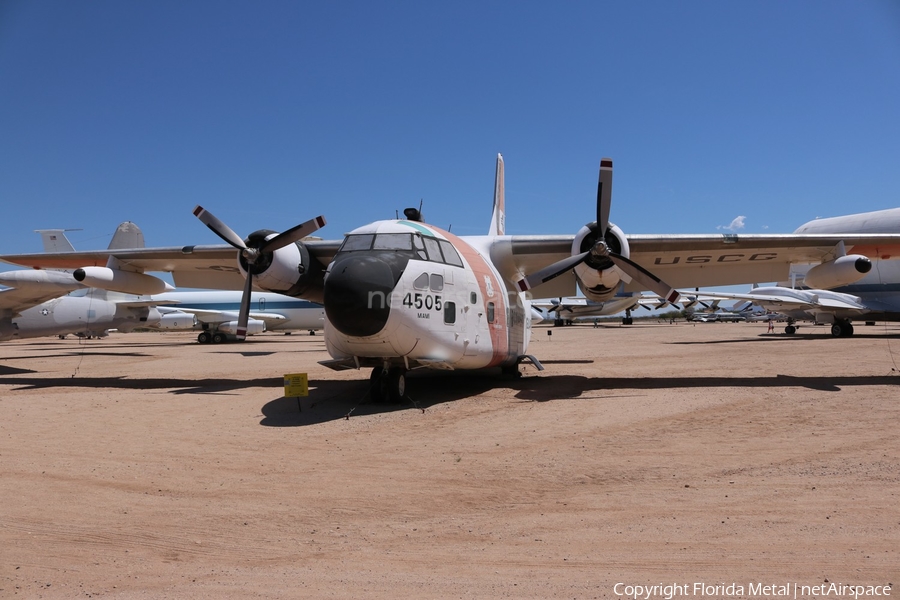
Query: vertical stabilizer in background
{"points": [[127, 235], [498, 217], [55, 240]]}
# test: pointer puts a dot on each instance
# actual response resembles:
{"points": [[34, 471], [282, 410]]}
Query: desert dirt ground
{"points": [[148, 466]]}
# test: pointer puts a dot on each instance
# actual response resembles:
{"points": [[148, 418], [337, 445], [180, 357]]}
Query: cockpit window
{"points": [[450, 255], [434, 250], [357, 242], [393, 241], [419, 246]]}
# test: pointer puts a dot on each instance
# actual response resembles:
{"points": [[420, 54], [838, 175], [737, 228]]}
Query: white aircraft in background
{"points": [[39, 303], [577, 307], [25, 311], [217, 313], [879, 288], [400, 294], [873, 296]]}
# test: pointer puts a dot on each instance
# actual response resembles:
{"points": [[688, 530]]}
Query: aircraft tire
{"points": [[790, 330], [837, 330], [219, 338], [396, 384], [204, 337]]}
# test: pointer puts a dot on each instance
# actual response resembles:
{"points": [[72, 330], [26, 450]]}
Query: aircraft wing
{"points": [[224, 316], [30, 288], [786, 302], [682, 261], [211, 266], [13, 300], [696, 260]]}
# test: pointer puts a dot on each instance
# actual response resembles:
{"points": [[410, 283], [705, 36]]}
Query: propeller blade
{"points": [[293, 234], [551, 272], [219, 228], [244, 315], [604, 194], [645, 278]]}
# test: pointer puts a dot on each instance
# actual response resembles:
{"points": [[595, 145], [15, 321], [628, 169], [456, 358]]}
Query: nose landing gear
{"points": [[388, 385]]}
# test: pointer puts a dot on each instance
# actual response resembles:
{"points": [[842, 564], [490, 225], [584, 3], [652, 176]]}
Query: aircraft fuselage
{"points": [[410, 294]]}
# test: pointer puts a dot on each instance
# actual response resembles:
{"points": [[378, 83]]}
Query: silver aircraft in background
{"points": [[38, 303]]}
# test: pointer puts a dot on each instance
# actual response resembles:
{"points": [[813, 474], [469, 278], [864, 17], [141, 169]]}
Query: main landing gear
{"points": [[842, 328], [205, 337], [388, 385]]}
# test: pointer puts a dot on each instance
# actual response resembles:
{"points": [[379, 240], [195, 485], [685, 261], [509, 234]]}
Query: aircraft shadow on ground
{"points": [[6, 370], [797, 337], [334, 400], [177, 386]]}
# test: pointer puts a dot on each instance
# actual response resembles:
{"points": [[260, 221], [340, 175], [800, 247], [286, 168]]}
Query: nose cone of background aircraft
{"points": [[357, 295]]}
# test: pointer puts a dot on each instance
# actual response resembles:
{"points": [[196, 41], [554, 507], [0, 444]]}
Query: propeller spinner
{"points": [[254, 251], [601, 250]]}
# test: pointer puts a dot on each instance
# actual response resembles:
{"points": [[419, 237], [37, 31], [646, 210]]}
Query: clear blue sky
{"points": [[269, 113]]}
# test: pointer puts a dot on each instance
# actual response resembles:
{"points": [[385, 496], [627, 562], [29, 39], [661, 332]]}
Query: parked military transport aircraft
{"points": [[39, 303], [86, 312], [217, 313], [400, 294]]}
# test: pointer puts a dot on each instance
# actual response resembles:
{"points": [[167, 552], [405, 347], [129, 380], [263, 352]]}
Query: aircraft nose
{"points": [[357, 295]]}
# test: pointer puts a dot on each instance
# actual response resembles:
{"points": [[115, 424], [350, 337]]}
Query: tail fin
{"points": [[127, 235], [55, 240], [498, 217]]}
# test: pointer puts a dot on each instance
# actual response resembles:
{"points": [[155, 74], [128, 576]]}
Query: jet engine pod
{"points": [[841, 271], [253, 326], [116, 280], [598, 277], [177, 320]]}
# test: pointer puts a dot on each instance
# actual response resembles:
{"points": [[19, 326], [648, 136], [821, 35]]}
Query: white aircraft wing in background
{"points": [[30, 288], [818, 306]]}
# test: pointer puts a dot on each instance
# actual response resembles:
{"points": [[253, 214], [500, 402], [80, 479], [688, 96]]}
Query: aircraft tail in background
{"points": [[498, 217], [55, 240]]}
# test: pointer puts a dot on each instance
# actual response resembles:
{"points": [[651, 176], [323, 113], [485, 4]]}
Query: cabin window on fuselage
{"points": [[490, 312], [449, 313], [437, 282], [421, 282], [473, 298]]}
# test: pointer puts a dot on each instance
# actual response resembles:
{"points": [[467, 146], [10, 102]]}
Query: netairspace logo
{"points": [[669, 591]]}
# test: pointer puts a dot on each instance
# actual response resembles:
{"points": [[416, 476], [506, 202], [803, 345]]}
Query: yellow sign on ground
{"points": [[296, 385]]}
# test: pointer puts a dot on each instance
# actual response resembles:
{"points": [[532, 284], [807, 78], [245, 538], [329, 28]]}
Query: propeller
{"points": [[601, 250], [253, 252]]}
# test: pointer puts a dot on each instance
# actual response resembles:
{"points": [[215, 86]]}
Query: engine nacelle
{"points": [[39, 280], [841, 271], [177, 320], [253, 326], [116, 280], [289, 270], [598, 278]]}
